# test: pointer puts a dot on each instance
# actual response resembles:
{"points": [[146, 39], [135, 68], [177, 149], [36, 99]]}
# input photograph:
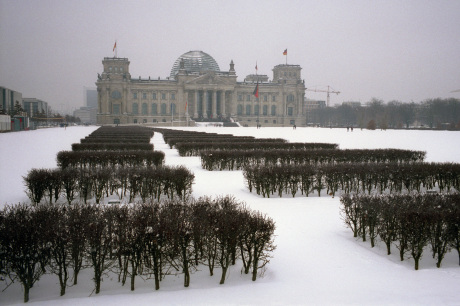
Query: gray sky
{"points": [[390, 50]]}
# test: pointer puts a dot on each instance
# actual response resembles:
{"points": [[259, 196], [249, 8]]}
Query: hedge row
{"points": [[236, 160], [411, 222], [194, 149], [391, 177], [110, 146], [191, 143], [115, 140], [123, 131], [216, 139], [104, 159], [70, 183], [151, 240]]}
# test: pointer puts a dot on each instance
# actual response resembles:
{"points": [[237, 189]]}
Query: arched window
{"points": [[135, 108], [173, 108], [273, 110], [248, 110], [163, 109], [144, 109], [154, 109], [239, 110]]}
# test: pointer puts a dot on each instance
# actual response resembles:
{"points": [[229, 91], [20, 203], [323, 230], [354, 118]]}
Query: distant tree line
{"points": [[376, 114]]}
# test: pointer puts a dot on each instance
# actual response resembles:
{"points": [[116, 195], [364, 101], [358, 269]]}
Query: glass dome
{"points": [[195, 61]]}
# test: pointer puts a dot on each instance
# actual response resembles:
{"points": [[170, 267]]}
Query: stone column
{"points": [[197, 97], [233, 102], [214, 104], [205, 103], [222, 102]]}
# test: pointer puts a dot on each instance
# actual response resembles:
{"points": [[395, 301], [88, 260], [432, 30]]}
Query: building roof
{"points": [[195, 61]]}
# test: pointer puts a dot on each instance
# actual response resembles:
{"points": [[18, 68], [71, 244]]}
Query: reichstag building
{"points": [[197, 90]]}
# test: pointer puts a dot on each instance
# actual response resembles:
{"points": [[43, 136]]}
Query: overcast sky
{"points": [[390, 50]]}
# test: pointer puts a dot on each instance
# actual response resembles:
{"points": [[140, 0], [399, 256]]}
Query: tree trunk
{"points": [[254, 269], [26, 293], [416, 259], [185, 264], [156, 270], [388, 243], [222, 278], [133, 274]]}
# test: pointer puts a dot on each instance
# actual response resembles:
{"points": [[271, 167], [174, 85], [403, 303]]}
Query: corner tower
{"points": [[112, 89]]}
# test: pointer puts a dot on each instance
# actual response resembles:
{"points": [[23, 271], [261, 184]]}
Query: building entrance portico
{"points": [[209, 104]]}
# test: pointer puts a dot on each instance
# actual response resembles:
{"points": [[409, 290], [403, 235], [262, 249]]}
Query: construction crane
{"points": [[329, 91]]}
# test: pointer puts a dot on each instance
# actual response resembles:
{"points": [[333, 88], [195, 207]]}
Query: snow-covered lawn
{"points": [[317, 260]]}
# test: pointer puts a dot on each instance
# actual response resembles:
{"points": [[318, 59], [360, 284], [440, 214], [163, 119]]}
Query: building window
{"points": [[144, 95], [265, 98], [110, 69], [173, 96], [274, 121], [273, 110], [256, 109], [239, 110], [290, 111], [163, 109], [154, 96], [273, 98], [134, 95], [265, 110], [248, 110], [173, 108], [116, 109], [163, 96], [154, 109], [144, 109], [144, 120], [290, 98], [116, 94], [248, 97], [135, 108], [135, 120], [240, 97], [121, 69]]}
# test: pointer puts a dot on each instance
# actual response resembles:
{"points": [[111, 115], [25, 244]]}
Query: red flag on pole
{"points": [[256, 90], [114, 46], [285, 52]]}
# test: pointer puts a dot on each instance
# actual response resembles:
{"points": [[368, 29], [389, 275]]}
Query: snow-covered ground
{"points": [[317, 260]]}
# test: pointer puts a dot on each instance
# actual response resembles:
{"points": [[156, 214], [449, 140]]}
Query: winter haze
{"points": [[390, 50]]}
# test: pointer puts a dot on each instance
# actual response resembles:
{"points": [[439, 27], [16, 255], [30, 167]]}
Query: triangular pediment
{"points": [[210, 78]]}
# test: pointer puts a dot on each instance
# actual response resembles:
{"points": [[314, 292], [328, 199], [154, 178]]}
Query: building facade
{"points": [[33, 107], [8, 98], [198, 90]]}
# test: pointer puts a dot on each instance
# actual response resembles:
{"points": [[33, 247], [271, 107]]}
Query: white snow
{"points": [[317, 260]]}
